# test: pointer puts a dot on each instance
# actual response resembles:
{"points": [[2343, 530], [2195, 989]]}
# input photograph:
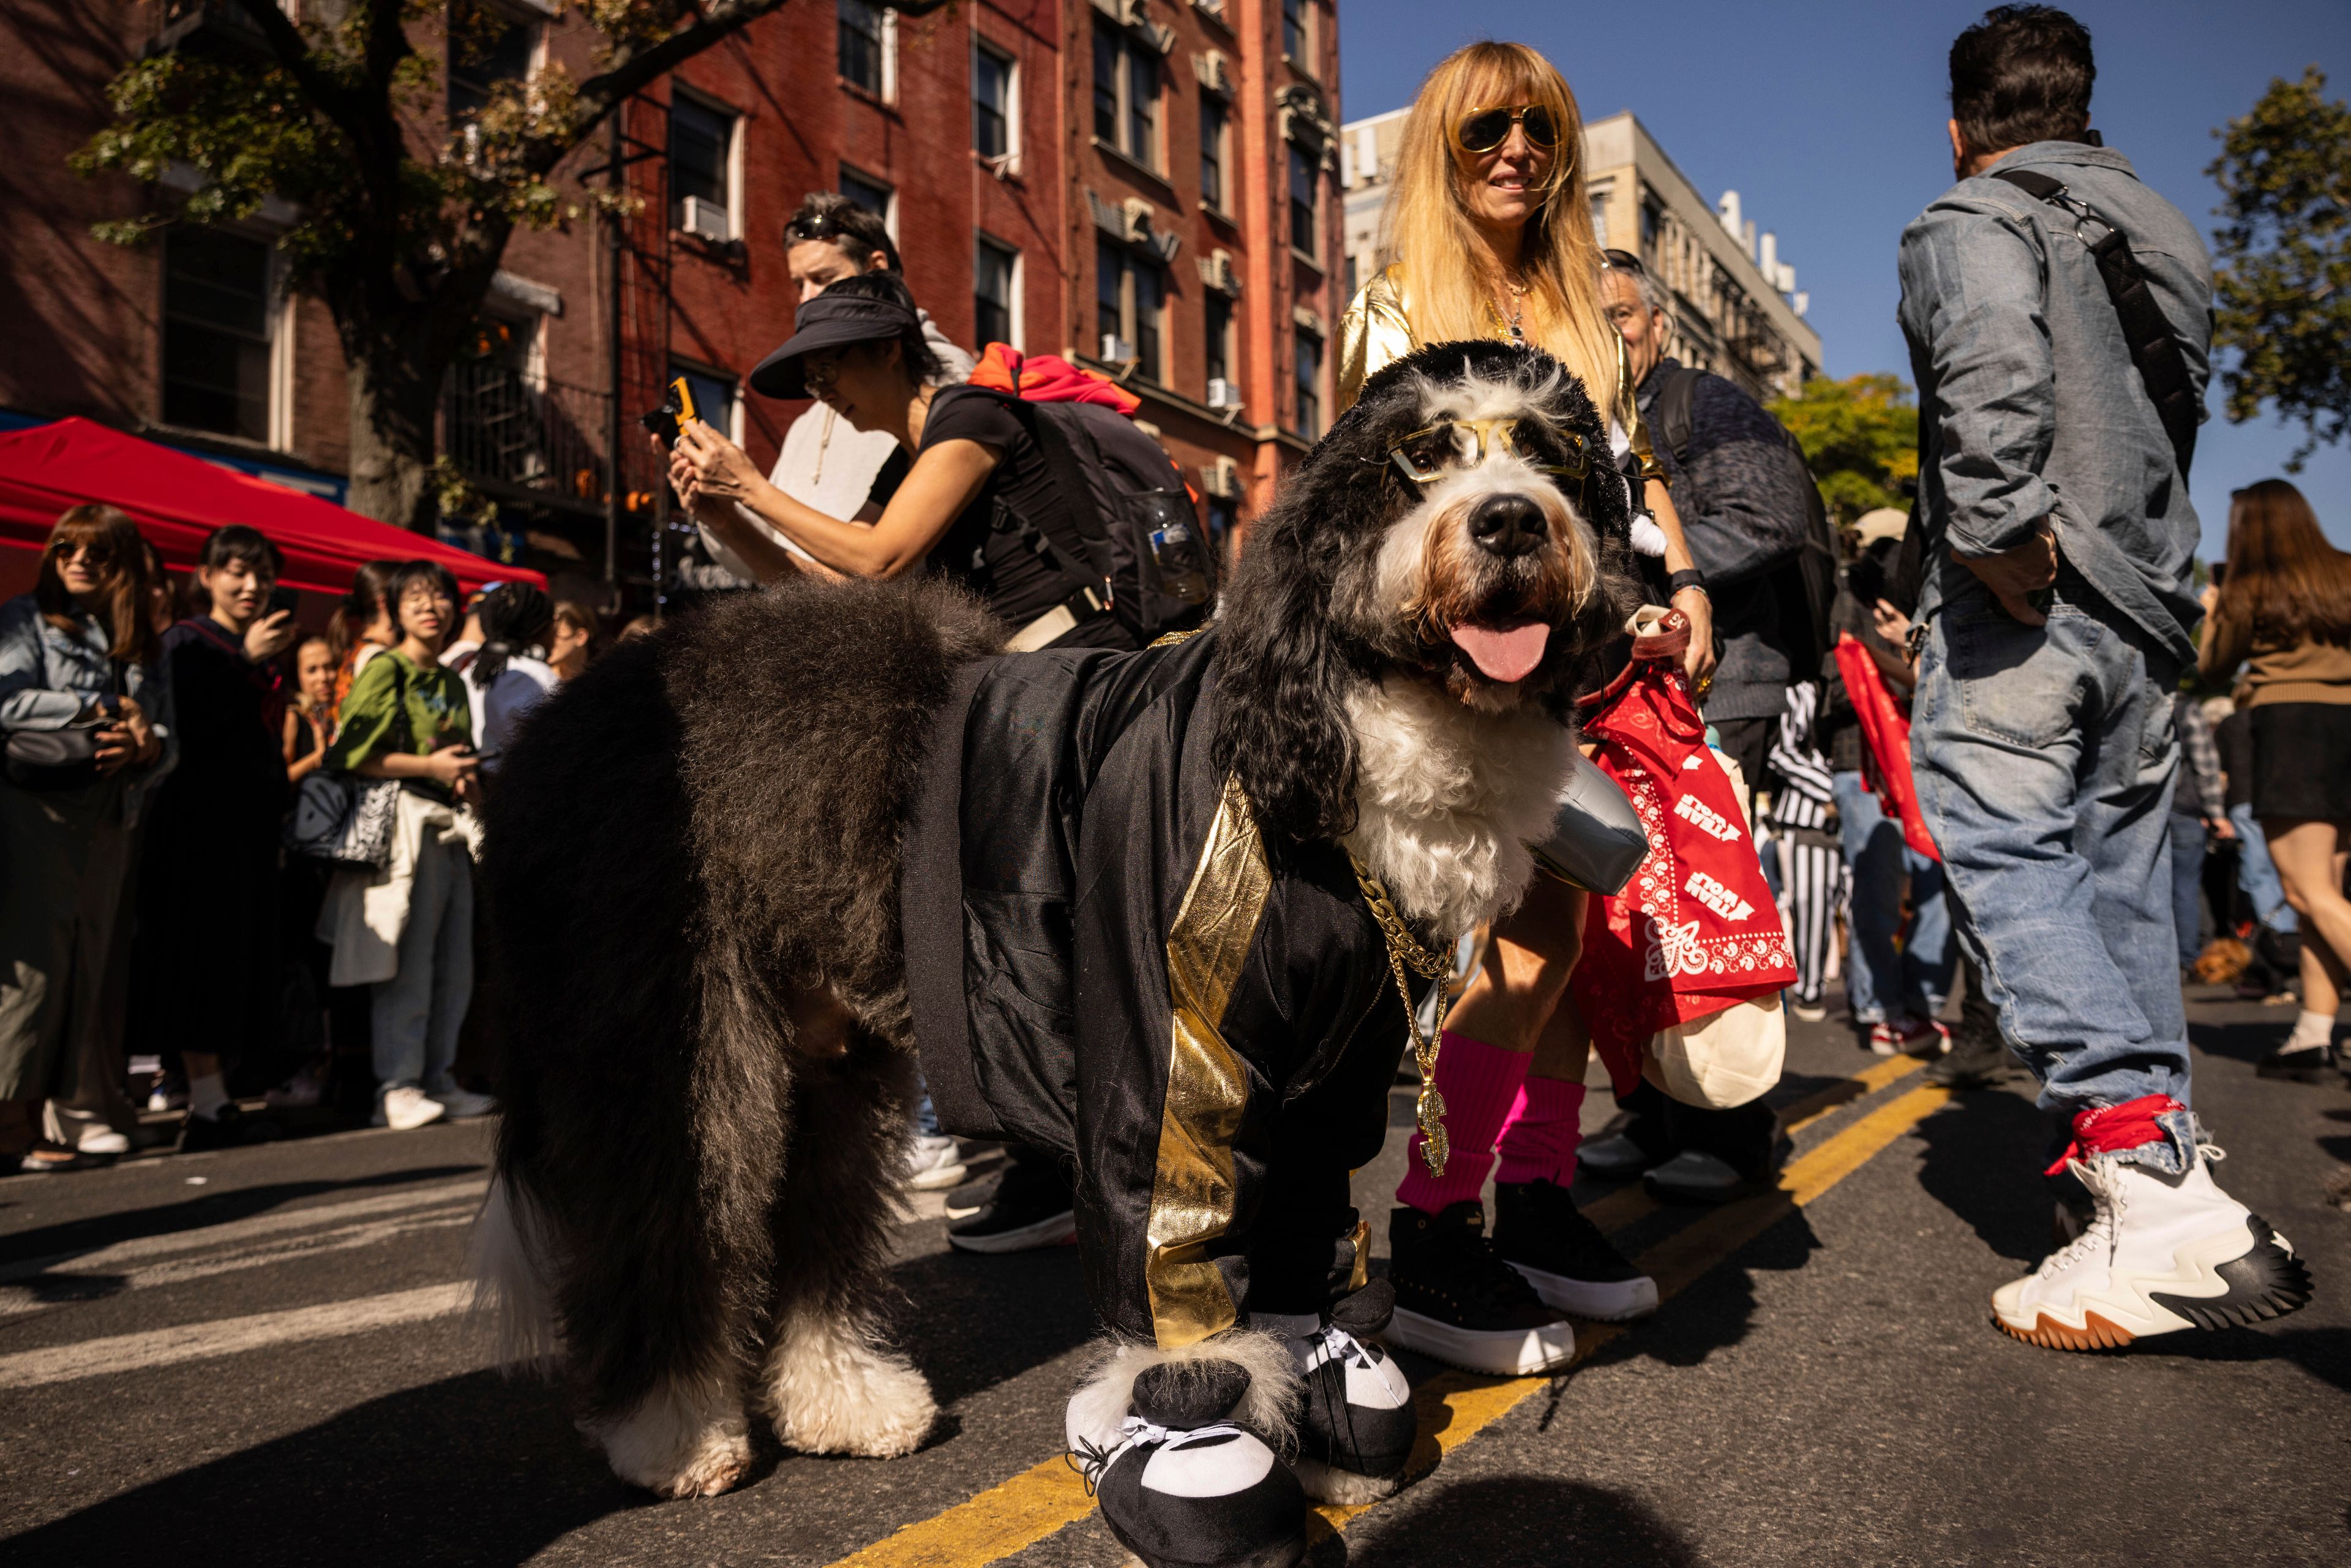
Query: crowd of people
{"points": [[1954, 748], [174, 945]]}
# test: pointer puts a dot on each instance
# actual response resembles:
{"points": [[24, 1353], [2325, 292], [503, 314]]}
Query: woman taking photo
{"points": [[407, 929], [1492, 229], [2286, 612], [78, 661], [859, 348]]}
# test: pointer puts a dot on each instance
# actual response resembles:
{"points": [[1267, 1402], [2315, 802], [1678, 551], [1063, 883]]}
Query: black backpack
{"points": [[1805, 587], [1138, 530]]}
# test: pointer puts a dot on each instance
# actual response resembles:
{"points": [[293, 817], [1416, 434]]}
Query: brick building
{"points": [[1148, 186]]}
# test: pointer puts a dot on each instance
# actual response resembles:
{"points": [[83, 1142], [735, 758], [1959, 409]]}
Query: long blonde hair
{"points": [[1445, 296]]}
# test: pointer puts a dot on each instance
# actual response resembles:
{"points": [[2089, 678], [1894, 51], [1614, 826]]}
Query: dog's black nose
{"points": [[1508, 524]]}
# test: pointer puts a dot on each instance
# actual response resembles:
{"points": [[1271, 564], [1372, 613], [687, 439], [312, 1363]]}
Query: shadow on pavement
{"points": [[2323, 1352], [471, 1470], [973, 1320], [1983, 1161], [1525, 1521], [75, 1236]]}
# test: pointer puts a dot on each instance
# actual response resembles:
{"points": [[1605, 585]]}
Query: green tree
{"points": [[403, 208], [1861, 436], [2283, 288]]}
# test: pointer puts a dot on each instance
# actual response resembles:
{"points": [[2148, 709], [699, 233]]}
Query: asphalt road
{"points": [[256, 1357]]}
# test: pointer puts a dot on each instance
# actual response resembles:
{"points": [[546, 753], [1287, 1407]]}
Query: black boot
{"points": [[1976, 1061], [1539, 1231], [1184, 1484], [1357, 1428], [1459, 1302]]}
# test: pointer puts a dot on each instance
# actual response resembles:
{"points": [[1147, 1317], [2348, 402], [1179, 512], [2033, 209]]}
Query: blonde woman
{"points": [[1493, 230]]}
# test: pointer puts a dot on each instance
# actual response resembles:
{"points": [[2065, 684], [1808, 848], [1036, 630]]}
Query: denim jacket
{"points": [[2030, 408], [47, 678]]}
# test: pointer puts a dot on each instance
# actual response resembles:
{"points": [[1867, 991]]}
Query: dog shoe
{"points": [[1357, 1428], [1185, 1486]]}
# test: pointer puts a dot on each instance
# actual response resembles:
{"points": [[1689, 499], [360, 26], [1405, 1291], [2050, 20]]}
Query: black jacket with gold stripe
{"points": [[1105, 959]]}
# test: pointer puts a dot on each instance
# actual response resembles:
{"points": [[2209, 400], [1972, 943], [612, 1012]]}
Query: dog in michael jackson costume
{"points": [[1150, 910]]}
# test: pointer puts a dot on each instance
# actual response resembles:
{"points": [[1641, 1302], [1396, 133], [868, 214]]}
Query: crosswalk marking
{"points": [[1453, 1405], [228, 1336]]}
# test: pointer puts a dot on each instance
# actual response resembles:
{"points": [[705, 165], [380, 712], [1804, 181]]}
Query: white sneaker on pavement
{"points": [[405, 1110], [100, 1139], [934, 1163], [2161, 1253], [463, 1103]]}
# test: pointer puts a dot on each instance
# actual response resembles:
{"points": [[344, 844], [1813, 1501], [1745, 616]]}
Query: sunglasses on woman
{"points": [[1487, 129]]}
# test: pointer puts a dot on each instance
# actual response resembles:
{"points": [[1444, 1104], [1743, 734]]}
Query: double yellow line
{"points": [[1454, 1407]]}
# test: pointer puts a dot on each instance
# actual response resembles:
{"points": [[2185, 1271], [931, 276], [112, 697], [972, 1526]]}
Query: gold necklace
{"points": [[1406, 949], [1511, 324]]}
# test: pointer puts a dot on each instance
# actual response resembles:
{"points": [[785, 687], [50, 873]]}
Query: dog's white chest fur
{"points": [[1447, 799]]}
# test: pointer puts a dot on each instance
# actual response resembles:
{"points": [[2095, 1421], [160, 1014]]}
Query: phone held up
{"points": [[283, 600], [664, 421]]}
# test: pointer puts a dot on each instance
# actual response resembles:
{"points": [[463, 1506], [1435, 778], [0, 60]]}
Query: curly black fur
{"points": [[708, 819], [1300, 627]]}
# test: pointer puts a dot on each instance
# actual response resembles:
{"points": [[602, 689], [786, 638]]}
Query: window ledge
{"points": [[1302, 259], [1222, 216], [858, 90], [1006, 168], [1128, 163]]}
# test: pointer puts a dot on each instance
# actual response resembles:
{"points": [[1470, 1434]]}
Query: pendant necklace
{"points": [[1518, 306]]}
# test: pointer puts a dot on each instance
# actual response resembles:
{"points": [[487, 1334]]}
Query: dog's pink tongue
{"points": [[1504, 653]]}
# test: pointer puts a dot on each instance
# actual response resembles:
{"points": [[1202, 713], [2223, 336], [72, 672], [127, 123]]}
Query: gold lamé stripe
{"points": [[1207, 1085]]}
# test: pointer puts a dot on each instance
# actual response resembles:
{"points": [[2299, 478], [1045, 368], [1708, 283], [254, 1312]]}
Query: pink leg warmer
{"points": [[1479, 1082], [1540, 1141]]}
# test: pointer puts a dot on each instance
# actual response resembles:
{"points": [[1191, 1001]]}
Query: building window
{"points": [[1212, 117], [1126, 94], [992, 100], [487, 45], [702, 168], [1130, 293], [1600, 216], [1296, 41], [1652, 216], [216, 334], [1224, 516], [873, 196], [995, 289], [715, 402], [1310, 386], [1305, 202], [1218, 336], [864, 34]]}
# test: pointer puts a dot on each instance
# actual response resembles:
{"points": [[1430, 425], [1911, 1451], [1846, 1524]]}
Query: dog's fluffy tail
{"points": [[511, 1297]]}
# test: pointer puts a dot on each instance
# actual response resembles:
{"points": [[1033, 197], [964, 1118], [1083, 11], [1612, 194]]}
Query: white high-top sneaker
{"points": [[2163, 1253]]}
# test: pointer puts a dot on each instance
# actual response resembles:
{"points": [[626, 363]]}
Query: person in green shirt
{"points": [[409, 719]]}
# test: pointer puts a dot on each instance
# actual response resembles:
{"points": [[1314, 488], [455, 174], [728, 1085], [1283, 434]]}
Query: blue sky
{"points": [[1827, 117]]}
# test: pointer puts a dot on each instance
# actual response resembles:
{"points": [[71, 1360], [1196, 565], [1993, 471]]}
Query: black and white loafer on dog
{"points": [[1358, 1425], [1185, 1485]]}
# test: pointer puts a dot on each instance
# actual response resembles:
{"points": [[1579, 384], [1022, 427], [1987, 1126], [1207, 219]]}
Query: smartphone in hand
{"points": [[283, 598]]}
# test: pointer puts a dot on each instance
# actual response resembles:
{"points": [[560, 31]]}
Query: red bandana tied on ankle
{"points": [[2108, 1129]]}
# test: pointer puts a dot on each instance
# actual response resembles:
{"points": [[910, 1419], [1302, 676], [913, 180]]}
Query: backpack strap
{"points": [[1669, 412], [2154, 346]]}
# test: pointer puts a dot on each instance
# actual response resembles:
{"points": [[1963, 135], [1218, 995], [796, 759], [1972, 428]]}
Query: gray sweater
{"points": [[2030, 407]]}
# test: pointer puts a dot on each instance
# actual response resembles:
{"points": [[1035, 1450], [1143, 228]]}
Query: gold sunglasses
{"points": [[1483, 130], [1425, 454]]}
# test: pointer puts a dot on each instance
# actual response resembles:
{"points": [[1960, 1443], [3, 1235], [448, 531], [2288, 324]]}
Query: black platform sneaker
{"points": [[1459, 1302], [1357, 1428], [1539, 1231], [1186, 1487]]}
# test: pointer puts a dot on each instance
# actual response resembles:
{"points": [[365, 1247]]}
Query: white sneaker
{"points": [[2162, 1253], [405, 1110], [463, 1103], [934, 1163], [101, 1139]]}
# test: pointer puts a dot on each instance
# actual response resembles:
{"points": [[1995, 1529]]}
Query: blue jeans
{"points": [[2187, 884], [2257, 875], [2045, 758], [1879, 978]]}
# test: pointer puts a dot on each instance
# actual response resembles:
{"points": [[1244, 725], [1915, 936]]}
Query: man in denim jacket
{"points": [[2059, 538]]}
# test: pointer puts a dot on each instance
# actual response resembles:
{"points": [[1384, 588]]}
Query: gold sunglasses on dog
{"points": [[1425, 454], [1483, 130]]}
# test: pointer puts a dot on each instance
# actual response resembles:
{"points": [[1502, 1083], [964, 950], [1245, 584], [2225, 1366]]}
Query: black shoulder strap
{"points": [[1069, 482], [1669, 414], [2154, 347]]}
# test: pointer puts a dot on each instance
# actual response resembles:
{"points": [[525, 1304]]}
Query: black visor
{"points": [[828, 321]]}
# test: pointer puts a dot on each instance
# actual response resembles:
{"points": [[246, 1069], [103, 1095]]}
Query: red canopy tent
{"points": [[177, 500]]}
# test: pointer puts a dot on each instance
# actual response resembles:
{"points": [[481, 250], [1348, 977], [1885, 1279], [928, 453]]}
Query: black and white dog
{"points": [[694, 863]]}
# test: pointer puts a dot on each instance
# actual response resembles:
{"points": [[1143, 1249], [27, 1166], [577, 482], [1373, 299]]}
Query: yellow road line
{"points": [[1453, 1405]]}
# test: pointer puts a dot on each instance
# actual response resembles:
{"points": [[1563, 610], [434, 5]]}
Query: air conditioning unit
{"points": [[706, 220], [1116, 349], [1222, 393]]}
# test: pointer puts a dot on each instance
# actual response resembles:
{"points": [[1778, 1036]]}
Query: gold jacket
{"points": [[1374, 333]]}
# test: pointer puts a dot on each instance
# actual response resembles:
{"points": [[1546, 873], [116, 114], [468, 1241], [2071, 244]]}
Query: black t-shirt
{"points": [[998, 564]]}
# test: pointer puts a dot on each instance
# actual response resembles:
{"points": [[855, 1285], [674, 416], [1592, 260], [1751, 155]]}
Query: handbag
{"points": [[49, 761], [343, 820]]}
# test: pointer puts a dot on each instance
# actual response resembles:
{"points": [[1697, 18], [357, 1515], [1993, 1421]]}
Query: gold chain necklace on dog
{"points": [[1404, 948]]}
